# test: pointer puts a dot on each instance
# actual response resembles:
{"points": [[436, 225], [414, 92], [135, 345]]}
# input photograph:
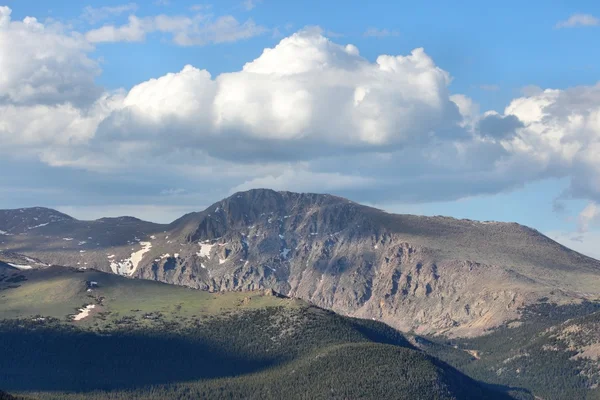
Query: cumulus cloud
{"points": [[307, 114], [561, 134], [44, 65], [197, 30], [576, 20], [304, 98]]}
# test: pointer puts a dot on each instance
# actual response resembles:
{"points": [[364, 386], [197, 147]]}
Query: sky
{"points": [[155, 109]]}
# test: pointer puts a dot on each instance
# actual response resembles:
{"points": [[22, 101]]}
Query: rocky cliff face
{"points": [[424, 274]]}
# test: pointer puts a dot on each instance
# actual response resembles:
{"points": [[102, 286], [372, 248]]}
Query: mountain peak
{"points": [[21, 220]]}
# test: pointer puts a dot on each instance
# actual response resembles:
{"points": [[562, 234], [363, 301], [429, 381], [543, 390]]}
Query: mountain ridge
{"points": [[435, 275]]}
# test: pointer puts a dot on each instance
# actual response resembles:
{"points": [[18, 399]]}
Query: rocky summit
{"points": [[428, 275]]}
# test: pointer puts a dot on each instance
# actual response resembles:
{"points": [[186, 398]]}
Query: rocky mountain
{"points": [[429, 275]]}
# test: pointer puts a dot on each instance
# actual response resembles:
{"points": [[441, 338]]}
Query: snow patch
{"points": [[21, 267], [285, 252], [111, 256], [68, 239], [205, 250], [84, 312], [38, 226], [5, 233], [129, 265]]}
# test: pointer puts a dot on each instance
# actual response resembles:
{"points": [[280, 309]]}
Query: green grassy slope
{"points": [[59, 292], [155, 341]]}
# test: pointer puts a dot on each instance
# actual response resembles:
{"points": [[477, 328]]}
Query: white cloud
{"points": [[307, 114], [134, 31], [49, 125], [94, 15], [251, 4], [43, 64], [561, 135], [307, 95], [380, 33], [197, 30], [576, 20], [588, 216]]}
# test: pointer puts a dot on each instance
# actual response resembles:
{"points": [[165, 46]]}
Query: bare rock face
{"points": [[431, 275]]}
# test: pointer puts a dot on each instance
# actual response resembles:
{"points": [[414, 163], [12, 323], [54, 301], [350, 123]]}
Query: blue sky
{"points": [[425, 140]]}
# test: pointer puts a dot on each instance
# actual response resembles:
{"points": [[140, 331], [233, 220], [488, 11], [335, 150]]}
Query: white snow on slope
{"points": [[129, 265], [84, 312], [22, 267], [285, 252], [38, 226], [5, 233], [205, 250]]}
